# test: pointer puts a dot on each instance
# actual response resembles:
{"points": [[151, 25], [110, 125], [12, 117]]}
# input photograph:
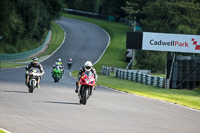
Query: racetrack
{"points": [[55, 108]]}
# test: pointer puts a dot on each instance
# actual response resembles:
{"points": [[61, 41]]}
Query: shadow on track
{"points": [[60, 102], [15, 91]]}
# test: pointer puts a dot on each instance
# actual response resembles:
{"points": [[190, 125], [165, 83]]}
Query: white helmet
{"points": [[88, 65], [59, 60]]}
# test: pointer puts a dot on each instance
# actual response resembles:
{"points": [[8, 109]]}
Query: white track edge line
{"points": [[5, 130]]}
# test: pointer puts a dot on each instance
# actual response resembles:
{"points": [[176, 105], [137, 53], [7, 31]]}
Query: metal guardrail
{"points": [[104, 17], [24, 55], [141, 76], [87, 14]]}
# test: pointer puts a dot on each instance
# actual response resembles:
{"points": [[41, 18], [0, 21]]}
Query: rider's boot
{"points": [[76, 89], [26, 83], [37, 85]]}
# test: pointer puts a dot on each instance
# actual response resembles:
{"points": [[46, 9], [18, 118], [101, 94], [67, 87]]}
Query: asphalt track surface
{"points": [[55, 108]]}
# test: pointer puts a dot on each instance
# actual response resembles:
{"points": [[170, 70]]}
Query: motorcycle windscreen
{"points": [[57, 68], [35, 70], [88, 73]]}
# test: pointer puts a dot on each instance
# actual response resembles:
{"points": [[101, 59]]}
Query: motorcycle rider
{"points": [[87, 67], [70, 61], [59, 61], [56, 64], [34, 64]]}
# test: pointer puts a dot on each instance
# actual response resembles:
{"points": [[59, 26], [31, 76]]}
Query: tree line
{"points": [[23, 23]]}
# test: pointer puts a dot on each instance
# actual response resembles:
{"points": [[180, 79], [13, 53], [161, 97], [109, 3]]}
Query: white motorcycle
{"points": [[34, 74]]}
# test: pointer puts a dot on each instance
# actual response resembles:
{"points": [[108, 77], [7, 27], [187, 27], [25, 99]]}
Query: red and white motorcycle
{"points": [[86, 84]]}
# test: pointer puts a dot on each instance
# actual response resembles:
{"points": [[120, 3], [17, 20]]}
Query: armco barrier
{"points": [[141, 76], [105, 17], [24, 55]]}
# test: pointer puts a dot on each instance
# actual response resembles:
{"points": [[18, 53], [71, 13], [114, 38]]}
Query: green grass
{"points": [[159, 75], [114, 56], [2, 131], [56, 40], [10, 65]]}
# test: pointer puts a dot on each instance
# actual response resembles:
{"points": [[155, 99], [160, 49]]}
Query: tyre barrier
{"points": [[141, 76]]}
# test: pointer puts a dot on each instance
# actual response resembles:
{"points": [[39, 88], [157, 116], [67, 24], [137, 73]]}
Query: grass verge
{"points": [[1, 131], [115, 55], [56, 40]]}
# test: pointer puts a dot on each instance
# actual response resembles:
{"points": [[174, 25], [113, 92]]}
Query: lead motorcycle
{"points": [[86, 84], [34, 74]]}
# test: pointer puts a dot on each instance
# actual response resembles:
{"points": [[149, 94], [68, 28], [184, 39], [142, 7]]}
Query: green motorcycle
{"points": [[57, 73]]}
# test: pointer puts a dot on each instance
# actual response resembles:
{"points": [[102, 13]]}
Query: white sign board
{"points": [[171, 42]]}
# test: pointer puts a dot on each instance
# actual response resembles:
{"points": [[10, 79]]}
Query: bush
{"points": [[151, 60]]}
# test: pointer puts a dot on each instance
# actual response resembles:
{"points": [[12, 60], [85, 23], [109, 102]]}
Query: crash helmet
{"points": [[59, 60], [35, 60], [70, 59], [88, 65]]}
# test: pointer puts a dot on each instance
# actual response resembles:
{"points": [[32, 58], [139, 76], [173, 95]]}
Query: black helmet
{"points": [[35, 60]]}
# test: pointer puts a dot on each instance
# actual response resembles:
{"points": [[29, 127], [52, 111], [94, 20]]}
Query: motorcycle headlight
{"points": [[87, 80]]}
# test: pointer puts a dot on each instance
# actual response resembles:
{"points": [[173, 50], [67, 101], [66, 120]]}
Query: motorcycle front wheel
{"points": [[56, 79], [31, 87], [84, 96]]}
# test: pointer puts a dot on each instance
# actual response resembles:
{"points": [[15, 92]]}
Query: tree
{"points": [[82, 5], [11, 26], [151, 60], [25, 21], [113, 7], [167, 16]]}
